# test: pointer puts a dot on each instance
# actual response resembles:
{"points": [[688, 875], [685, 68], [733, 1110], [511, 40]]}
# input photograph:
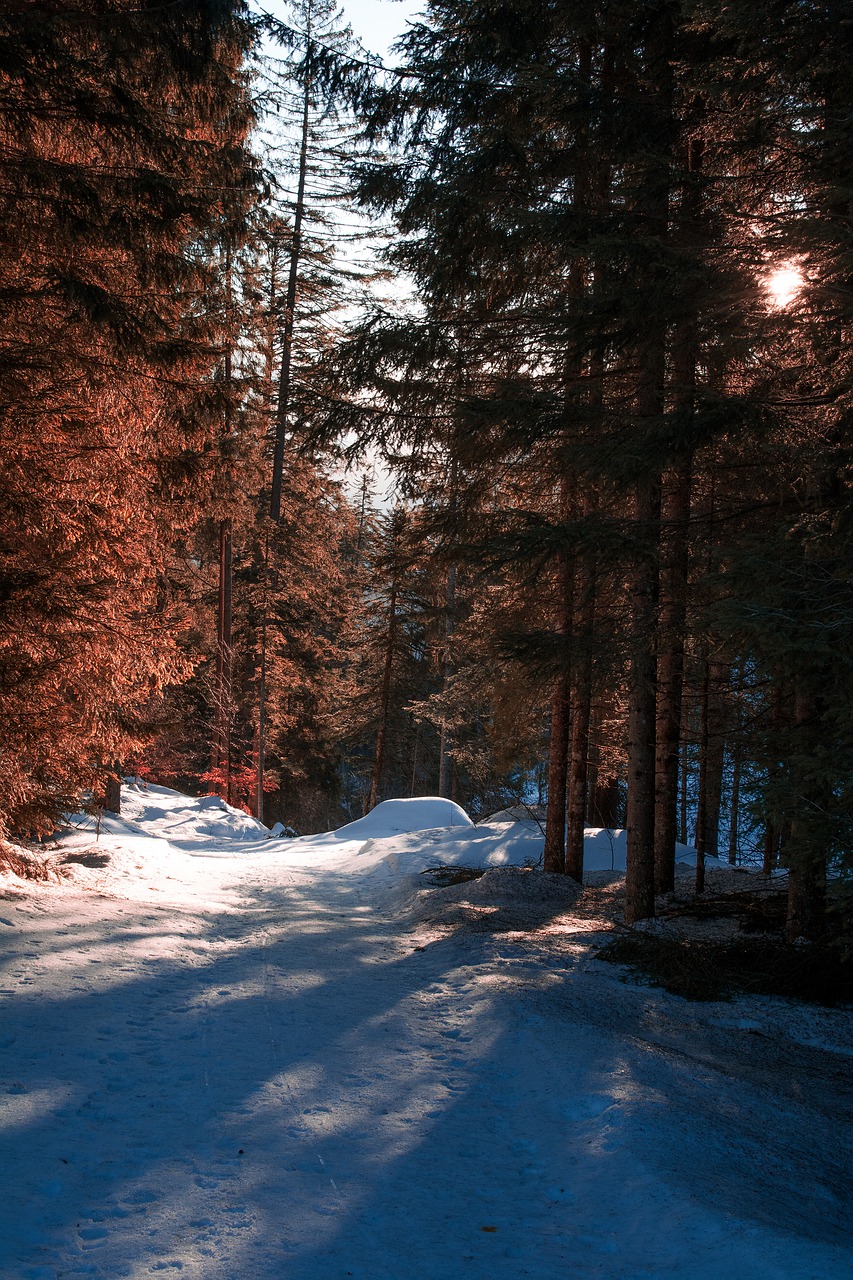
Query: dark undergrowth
{"points": [[816, 972], [443, 876]]}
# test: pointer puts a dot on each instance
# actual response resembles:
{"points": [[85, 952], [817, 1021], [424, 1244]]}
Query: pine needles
{"points": [[25, 864]]}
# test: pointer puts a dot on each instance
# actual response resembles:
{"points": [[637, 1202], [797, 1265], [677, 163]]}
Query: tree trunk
{"points": [[444, 762], [602, 787], [283, 406], [222, 755], [736, 747], [804, 854], [711, 757], [384, 702], [771, 830], [112, 789], [734, 816], [554, 858], [640, 871], [675, 521], [675, 543], [581, 714], [262, 695], [652, 207], [555, 821], [224, 608]]}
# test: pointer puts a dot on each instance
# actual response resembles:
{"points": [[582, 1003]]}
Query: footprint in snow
{"points": [[588, 1107], [92, 1234], [143, 1196]]}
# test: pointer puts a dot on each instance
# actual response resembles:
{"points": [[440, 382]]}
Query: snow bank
{"points": [[394, 817], [605, 849], [162, 836], [168, 813]]}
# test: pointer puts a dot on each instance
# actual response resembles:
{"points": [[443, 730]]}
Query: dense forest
{"points": [[480, 428]]}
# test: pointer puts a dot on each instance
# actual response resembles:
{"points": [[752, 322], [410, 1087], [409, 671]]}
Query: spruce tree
{"points": [[124, 138]]}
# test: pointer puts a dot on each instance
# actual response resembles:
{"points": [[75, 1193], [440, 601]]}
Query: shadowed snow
{"points": [[227, 1057]]}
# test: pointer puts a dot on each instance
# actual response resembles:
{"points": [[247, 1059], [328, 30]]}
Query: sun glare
{"points": [[783, 284]]}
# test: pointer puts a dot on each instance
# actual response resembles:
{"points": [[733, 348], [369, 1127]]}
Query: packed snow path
{"points": [[265, 1077]]}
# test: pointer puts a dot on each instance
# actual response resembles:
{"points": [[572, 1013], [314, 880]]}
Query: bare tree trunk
{"points": [[685, 774], [703, 773], [283, 407], [711, 756], [640, 872], [734, 816], [444, 743], [555, 821], [652, 204], [262, 694], [602, 788], [675, 522], [558, 759], [112, 789], [736, 748], [674, 567], [415, 750], [224, 661], [771, 831], [581, 714], [222, 750], [717, 705], [806, 862], [384, 701]]}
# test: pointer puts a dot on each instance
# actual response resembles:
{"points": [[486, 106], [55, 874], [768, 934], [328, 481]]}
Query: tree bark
{"points": [[736, 747], [804, 856], [283, 406], [262, 695], [384, 701], [711, 757], [771, 830], [640, 871], [675, 520], [675, 544], [734, 815], [444, 762], [554, 858], [685, 775], [224, 661], [555, 822], [580, 726], [112, 789], [652, 209]]}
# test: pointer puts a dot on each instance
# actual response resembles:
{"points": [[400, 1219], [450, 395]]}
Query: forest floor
{"points": [[229, 1058]]}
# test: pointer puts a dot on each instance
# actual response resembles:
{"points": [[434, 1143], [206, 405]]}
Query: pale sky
{"points": [[378, 23]]}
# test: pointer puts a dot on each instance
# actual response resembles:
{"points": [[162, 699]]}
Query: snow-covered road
{"points": [[251, 1071]]}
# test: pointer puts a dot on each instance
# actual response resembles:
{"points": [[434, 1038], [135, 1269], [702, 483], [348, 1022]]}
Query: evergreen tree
{"points": [[124, 141]]}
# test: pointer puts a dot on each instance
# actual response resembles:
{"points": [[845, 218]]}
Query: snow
{"points": [[392, 817], [225, 1057]]}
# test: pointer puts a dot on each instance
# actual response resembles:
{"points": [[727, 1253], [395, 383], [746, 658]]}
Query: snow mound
{"points": [[398, 817], [167, 813]]}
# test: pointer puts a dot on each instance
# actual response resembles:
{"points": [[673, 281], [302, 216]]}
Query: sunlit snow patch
{"points": [[165, 812], [397, 817]]}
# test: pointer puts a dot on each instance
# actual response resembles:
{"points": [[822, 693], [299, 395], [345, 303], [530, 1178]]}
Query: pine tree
{"points": [[124, 136]]}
